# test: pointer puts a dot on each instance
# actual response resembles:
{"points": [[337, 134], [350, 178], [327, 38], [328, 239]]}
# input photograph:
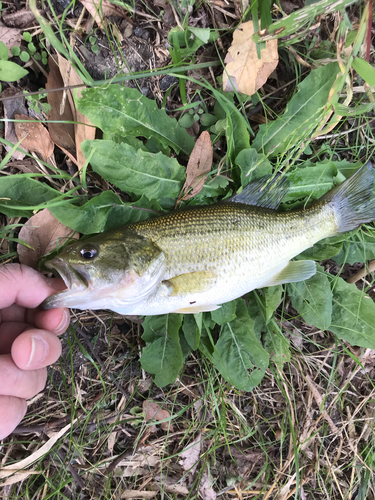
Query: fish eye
{"points": [[88, 252]]}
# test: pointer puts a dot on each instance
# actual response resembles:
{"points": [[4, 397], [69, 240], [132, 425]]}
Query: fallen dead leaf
{"points": [[190, 455], [11, 107], [11, 37], [20, 19], [206, 490], [248, 73], [154, 412], [34, 135], [199, 165], [62, 134], [83, 128], [42, 232], [100, 9]]}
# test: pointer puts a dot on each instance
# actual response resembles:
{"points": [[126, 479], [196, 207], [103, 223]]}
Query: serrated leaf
{"points": [[163, 355], [253, 165], [192, 330], [225, 314], [22, 191], [304, 109], [277, 346], [11, 72], [104, 212], [126, 112], [238, 354], [312, 299], [353, 314], [272, 298], [134, 171], [359, 247], [311, 182]]}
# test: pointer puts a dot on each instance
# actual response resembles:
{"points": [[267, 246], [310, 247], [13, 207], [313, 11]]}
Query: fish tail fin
{"points": [[352, 201]]}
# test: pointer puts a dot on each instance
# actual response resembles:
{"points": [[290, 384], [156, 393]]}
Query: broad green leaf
{"points": [[187, 42], [256, 311], [185, 347], [359, 247], [324, 249], [163, 355], [302, 113], [237, 134], [238, 354], [353, 314], [225, 314], [312, 299], [192, 330], [311, 182], [253, 165], [277, 346], [11, 72], [104, 212], [272, 298], [365, 70], [22, 191], [3, 52], [124, 111], [134, 171]]}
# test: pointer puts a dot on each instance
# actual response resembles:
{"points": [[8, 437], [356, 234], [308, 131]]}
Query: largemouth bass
{"points": [[196, 259]]}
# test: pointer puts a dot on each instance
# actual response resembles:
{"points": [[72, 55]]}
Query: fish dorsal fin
{"points": [[188, 283], [264, 192], [295, 270]]}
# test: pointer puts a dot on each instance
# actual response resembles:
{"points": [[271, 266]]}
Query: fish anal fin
{"points": [[264, 192], [197, 309], [196, 282], [295, 270]]}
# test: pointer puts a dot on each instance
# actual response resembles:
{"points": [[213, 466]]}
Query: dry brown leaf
{"points": [[83, 128], [190, 455], [248, 73], [199, 165], [11, 37], [62, 134], [34, 135], [154, 412], [11, 107], [206, 490], [42, 231], [20, 19], [100, 9]]}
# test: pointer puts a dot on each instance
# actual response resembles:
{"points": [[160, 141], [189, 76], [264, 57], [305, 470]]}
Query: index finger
{"points": [[24, 286]]}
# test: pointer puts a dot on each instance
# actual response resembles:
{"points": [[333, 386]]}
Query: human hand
{"points": [[28, 339]]}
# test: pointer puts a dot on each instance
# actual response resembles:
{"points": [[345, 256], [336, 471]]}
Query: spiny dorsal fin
{"points": [[264, 192]]}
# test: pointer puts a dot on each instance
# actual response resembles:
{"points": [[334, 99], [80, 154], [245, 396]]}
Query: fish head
{"points": [[106, 271]]}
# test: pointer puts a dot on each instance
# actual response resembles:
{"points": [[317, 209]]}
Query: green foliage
{"points": [[302, 114], [312, 299], [162, 355], [240, 338], [126, 112]]}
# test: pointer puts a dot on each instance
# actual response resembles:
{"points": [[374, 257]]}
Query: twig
{"points": [[367, 269], [319, 400]]}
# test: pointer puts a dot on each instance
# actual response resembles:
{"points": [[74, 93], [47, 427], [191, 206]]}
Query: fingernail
{"points": [[39, 350], [63, 323]]}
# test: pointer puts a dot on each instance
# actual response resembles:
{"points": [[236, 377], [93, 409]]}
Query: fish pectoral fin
{"points": [[185, 284], [295, 270], [197, 309]]}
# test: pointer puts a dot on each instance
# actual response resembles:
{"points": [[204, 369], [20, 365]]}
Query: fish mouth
{"points": [[76, 279]]}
